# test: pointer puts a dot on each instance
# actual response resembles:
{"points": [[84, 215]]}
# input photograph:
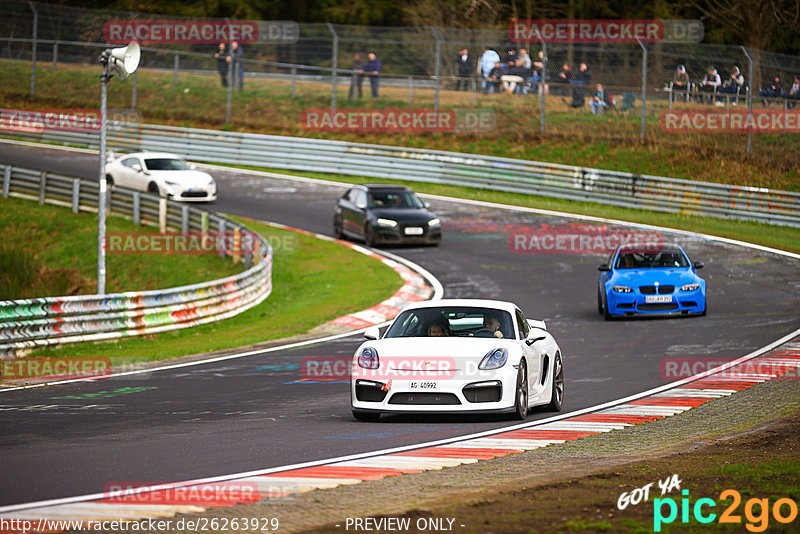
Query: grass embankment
{"points": [[780, 237], [50, 251], [312, 282], [609, 141]]}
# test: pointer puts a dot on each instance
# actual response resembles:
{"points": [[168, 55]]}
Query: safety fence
{"points": [[30, 323], [655, 193]]}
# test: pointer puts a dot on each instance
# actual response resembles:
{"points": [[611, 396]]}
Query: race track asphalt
{"points": [[256, 412]]}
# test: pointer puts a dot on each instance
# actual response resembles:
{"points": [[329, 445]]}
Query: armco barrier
{"points": [[628, 190], [25, 324]]}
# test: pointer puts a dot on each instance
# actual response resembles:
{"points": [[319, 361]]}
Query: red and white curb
{"points": [[781, 360]]}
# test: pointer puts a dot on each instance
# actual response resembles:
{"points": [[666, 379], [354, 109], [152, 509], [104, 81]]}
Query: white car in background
{"points": [[457, 356], [162, 174]]}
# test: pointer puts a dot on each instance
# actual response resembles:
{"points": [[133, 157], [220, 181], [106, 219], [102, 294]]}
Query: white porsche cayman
{"points": [[456, 356]]}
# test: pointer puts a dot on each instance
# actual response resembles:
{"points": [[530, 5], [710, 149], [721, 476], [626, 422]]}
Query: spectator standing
{"points": [[711, 82], [235, 59], [487, 63], [356, 78], [465, 68], [582, 79], [565, 78], [373, 70], [221, 56]]}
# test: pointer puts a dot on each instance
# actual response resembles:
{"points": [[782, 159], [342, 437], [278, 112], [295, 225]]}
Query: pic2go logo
{"points": [[756, 511]]}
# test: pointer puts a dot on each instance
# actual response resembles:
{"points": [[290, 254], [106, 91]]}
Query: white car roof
{"points": [[475, 303], [147, 155]]}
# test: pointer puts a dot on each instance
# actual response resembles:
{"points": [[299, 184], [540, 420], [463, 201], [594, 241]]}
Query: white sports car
{"points": [[456, 356], [162, 174]]}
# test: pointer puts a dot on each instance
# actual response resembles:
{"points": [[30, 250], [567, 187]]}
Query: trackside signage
{"points": [[200, 31], [41, 120], [736, 121]]}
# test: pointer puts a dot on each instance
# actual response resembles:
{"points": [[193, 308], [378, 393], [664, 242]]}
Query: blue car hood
{"points": [[647, 277]]}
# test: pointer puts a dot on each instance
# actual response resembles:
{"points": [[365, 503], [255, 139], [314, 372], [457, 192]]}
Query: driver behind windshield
{"points": [[492, 324]]}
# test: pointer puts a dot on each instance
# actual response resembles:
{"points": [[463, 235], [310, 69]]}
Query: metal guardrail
{"points": [[30, 323], [655, 193]]}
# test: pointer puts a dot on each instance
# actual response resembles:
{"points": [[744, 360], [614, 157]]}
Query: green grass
{"points": [[50, 251], [780, 237], [313, 282], [608, 141]]}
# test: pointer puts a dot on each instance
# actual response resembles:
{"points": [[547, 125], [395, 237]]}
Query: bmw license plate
{"points": [[658, 299], [413, 230]]}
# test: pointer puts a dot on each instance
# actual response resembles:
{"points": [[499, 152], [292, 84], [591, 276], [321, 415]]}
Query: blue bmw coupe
{"points": [[646, 280]]}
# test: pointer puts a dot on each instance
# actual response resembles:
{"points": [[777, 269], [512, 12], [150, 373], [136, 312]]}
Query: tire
{"points": [[599, 302], [337, 228], [705, 309], [109, 180], [557, 398], [367, 417], [607, 316], [369, 236], [152, 187], [521, 393]]}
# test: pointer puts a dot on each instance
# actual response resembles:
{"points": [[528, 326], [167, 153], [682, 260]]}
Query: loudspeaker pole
{"points": [[101, 207]]}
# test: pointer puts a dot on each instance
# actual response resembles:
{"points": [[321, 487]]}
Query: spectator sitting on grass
{"points": [[600, 100]]}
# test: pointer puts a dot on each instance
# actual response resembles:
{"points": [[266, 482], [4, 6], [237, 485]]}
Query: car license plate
{"points": [[413, 230], [658, 299], [423, 385]]}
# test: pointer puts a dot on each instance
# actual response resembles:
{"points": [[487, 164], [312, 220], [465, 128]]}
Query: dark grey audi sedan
{"points": [[385, 214]]}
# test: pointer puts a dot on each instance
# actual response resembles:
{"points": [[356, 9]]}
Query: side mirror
{"points": [[136, 167], [427, 205], [372, 332], [533, 323], [603, 267], [698, 264], [361, 205], [192, 166], [535, 335]]}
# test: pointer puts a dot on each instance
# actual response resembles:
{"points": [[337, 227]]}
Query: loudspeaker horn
{"points": [[125, 60]]}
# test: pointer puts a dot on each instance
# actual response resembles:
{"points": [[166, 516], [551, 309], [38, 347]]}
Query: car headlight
{"points": [[212, 183], [494, 359], [170, 183], [434, 222], [622, 289], [387, 222], [368, 359], [690, 287]]}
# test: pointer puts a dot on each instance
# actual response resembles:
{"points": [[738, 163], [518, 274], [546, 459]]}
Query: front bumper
{"points": [[485, 392], [635, 303], [388, 235], [204, 194]]}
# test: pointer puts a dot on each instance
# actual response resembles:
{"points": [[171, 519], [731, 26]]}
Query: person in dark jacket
{"points": [[794, 92], [465, 68], [373, 70], [235, 59], [222, 64], [357, 77], [773, 90], [563, 79], [579, 83]]}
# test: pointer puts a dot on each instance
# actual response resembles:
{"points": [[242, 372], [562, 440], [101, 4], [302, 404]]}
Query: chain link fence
{"points": [[420, 68]]}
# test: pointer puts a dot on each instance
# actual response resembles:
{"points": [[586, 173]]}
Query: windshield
{"points": [[166, 164], [665, 258], [453, 321], [394, 199]]}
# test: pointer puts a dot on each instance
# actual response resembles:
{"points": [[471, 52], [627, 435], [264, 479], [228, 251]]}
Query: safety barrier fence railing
{"points": [[628, 190], [38, 322]]}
